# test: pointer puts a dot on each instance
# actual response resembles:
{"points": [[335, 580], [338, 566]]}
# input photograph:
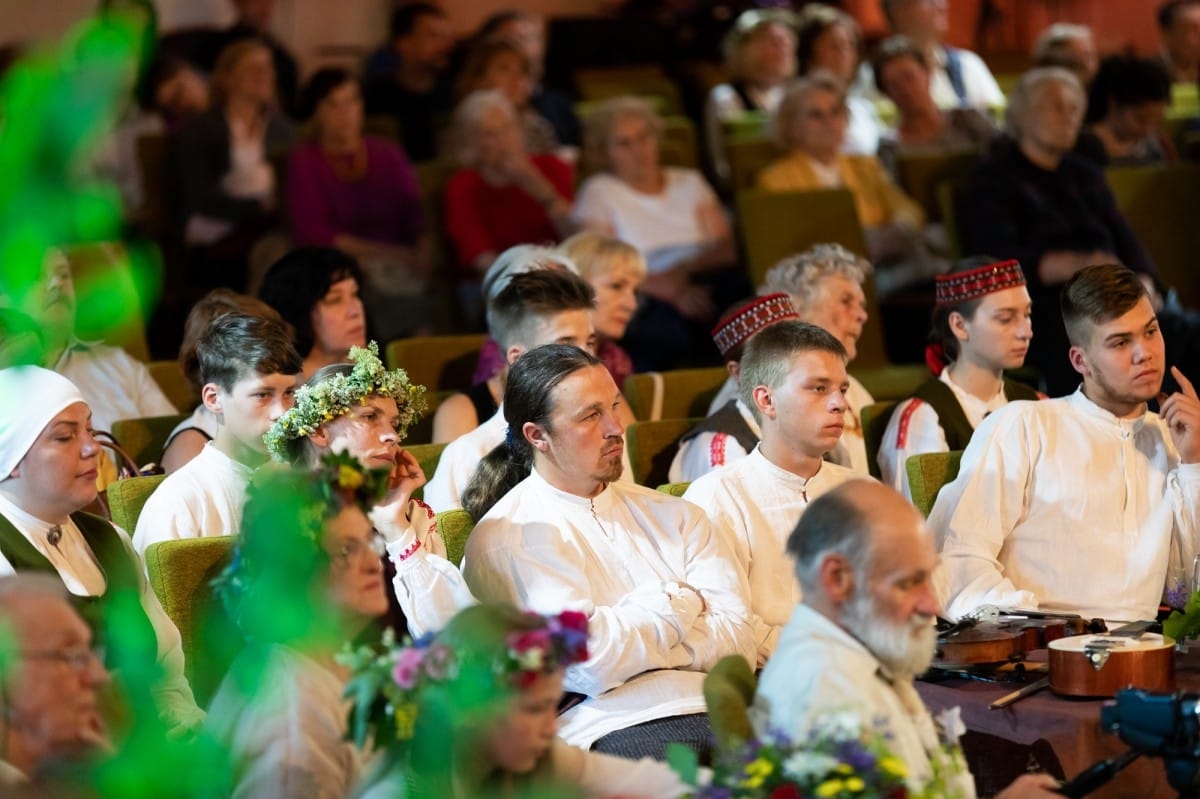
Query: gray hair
{"points": [[1032, 83], [800, 275], [746, 26], [784, 123], [598, 126], [518, 260], [770, 352], [467, 116], [1053, 41], [833, 523]]}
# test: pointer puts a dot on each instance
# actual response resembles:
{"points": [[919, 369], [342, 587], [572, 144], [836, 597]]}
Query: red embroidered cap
{"points": [[737, 326], [975, 283]]}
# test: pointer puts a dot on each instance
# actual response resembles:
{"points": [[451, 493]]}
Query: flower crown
{"points": [[385, 686], [337, 394]]}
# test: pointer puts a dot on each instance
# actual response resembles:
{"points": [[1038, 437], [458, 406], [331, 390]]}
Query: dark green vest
{"points": [[135, 637], [950, 413]]}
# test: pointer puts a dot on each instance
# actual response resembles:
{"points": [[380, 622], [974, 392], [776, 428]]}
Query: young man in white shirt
{"points": [[1093, 474], [794, 378], [48, 467], [865, 563], [545, 306], [249, 369], [664, 598]]}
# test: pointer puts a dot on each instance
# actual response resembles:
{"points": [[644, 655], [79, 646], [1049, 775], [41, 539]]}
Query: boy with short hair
{"points": [[249, 370]]}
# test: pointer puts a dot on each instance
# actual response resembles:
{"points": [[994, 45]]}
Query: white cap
{"points": [[30, 398]]}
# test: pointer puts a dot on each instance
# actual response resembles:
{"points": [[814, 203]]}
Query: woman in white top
{"points": [[760, 56], [830, 40], [674, 217], [475, 713], [981, 326]]}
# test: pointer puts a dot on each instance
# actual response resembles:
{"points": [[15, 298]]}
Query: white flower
{"points": [[950, 725], [805, 765], [841, 726]]}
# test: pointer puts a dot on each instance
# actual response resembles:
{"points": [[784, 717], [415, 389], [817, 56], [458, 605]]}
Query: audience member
{"points": [[794, 379], [810, 127], [307, 579], [1126, 103], [1095, 472], [495, 711], [1034, 200], [316, 291], [1179, 23], [175, 89], [249, 370], [502, 196], [1064, 44], [615, 270], [224, 156], [648, 569], [502, 65], [826, 286], [959, 77], [981, 327], [731, 430], [48, 470], [360, 194], [760, 57], [528, 30], [902, 74], [410, 83], [189, 437], [544, 306], [673, 216], [254, 18], [865, 562], [21, 341], [47, 722], [830, 41], [116, 385]]}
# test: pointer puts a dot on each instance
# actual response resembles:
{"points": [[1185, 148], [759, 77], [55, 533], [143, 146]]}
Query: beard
{"points": [[905, 647]]}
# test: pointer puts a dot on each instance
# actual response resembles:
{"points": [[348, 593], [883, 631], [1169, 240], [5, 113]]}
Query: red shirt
{"points": [[483, 218]]}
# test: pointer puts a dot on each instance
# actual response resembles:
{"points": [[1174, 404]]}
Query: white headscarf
{"points": [[30, 398]]}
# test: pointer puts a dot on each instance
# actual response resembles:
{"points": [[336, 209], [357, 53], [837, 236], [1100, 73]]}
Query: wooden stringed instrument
{"points": [[1101, 665], [990, 635]]}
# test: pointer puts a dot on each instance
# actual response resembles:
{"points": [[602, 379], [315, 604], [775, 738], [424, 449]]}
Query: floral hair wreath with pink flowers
{"points": [[384, 686]]}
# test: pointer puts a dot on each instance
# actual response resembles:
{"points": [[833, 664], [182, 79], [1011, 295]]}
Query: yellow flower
{"points": [[844, 768], [406, 718], [855, 785], [349, 477], [757, 772], [830, 788], [893, 766]]}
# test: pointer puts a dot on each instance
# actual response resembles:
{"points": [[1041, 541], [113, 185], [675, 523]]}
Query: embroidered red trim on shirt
{"points": [[408, 552], [905, 418], [716, 449]]}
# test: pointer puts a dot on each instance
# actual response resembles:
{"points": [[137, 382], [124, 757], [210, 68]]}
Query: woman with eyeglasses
{"points": [[306, 579], [363, 409]]}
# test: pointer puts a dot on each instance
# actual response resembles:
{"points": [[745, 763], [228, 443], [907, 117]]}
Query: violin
{"points": [[990, 635]]}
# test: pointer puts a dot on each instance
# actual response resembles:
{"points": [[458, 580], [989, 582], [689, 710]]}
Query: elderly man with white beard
{"points": [[863, 630]]}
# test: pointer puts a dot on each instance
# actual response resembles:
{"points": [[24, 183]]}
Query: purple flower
{"points": [[856, 756], [408, 667]]}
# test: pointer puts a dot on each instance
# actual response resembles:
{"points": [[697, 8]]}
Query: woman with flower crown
{"points": [[305, 580], [981, 326], [473, 712], [363, 409]]}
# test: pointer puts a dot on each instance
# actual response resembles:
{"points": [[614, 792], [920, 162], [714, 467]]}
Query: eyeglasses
{"points": [[77, 660], [347, 552]]}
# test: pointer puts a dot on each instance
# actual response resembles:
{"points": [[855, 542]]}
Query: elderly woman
{"points": [[902, 74], [1034, 200], [760, 56], [502, 65], [360, 194], [830, 40], [502, 196], [811, 126], [826, 286], [228, 181], [316, 291], [674, 218]]}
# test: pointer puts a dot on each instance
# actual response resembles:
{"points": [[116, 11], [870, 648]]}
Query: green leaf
{"points": [[684, 762]]}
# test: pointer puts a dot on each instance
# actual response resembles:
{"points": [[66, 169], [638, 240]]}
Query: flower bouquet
{"points": [[839, 759]]}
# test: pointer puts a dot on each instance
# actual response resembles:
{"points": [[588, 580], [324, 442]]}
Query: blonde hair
{"points": [[595, 254], [599, 125], [784, 123], [227, 62]]}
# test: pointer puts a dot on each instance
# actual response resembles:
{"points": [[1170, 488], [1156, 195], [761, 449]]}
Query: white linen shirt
{"points": [[203, 499], [982, 90], [1061, 505], [706, 452], [115, 384], [756, 504], [819, 669], [916, 430], [82, 576], [626, 558]]}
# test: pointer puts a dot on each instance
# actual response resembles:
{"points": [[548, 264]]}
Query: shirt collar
{"points": [[1080, 402], [597, 503]]}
